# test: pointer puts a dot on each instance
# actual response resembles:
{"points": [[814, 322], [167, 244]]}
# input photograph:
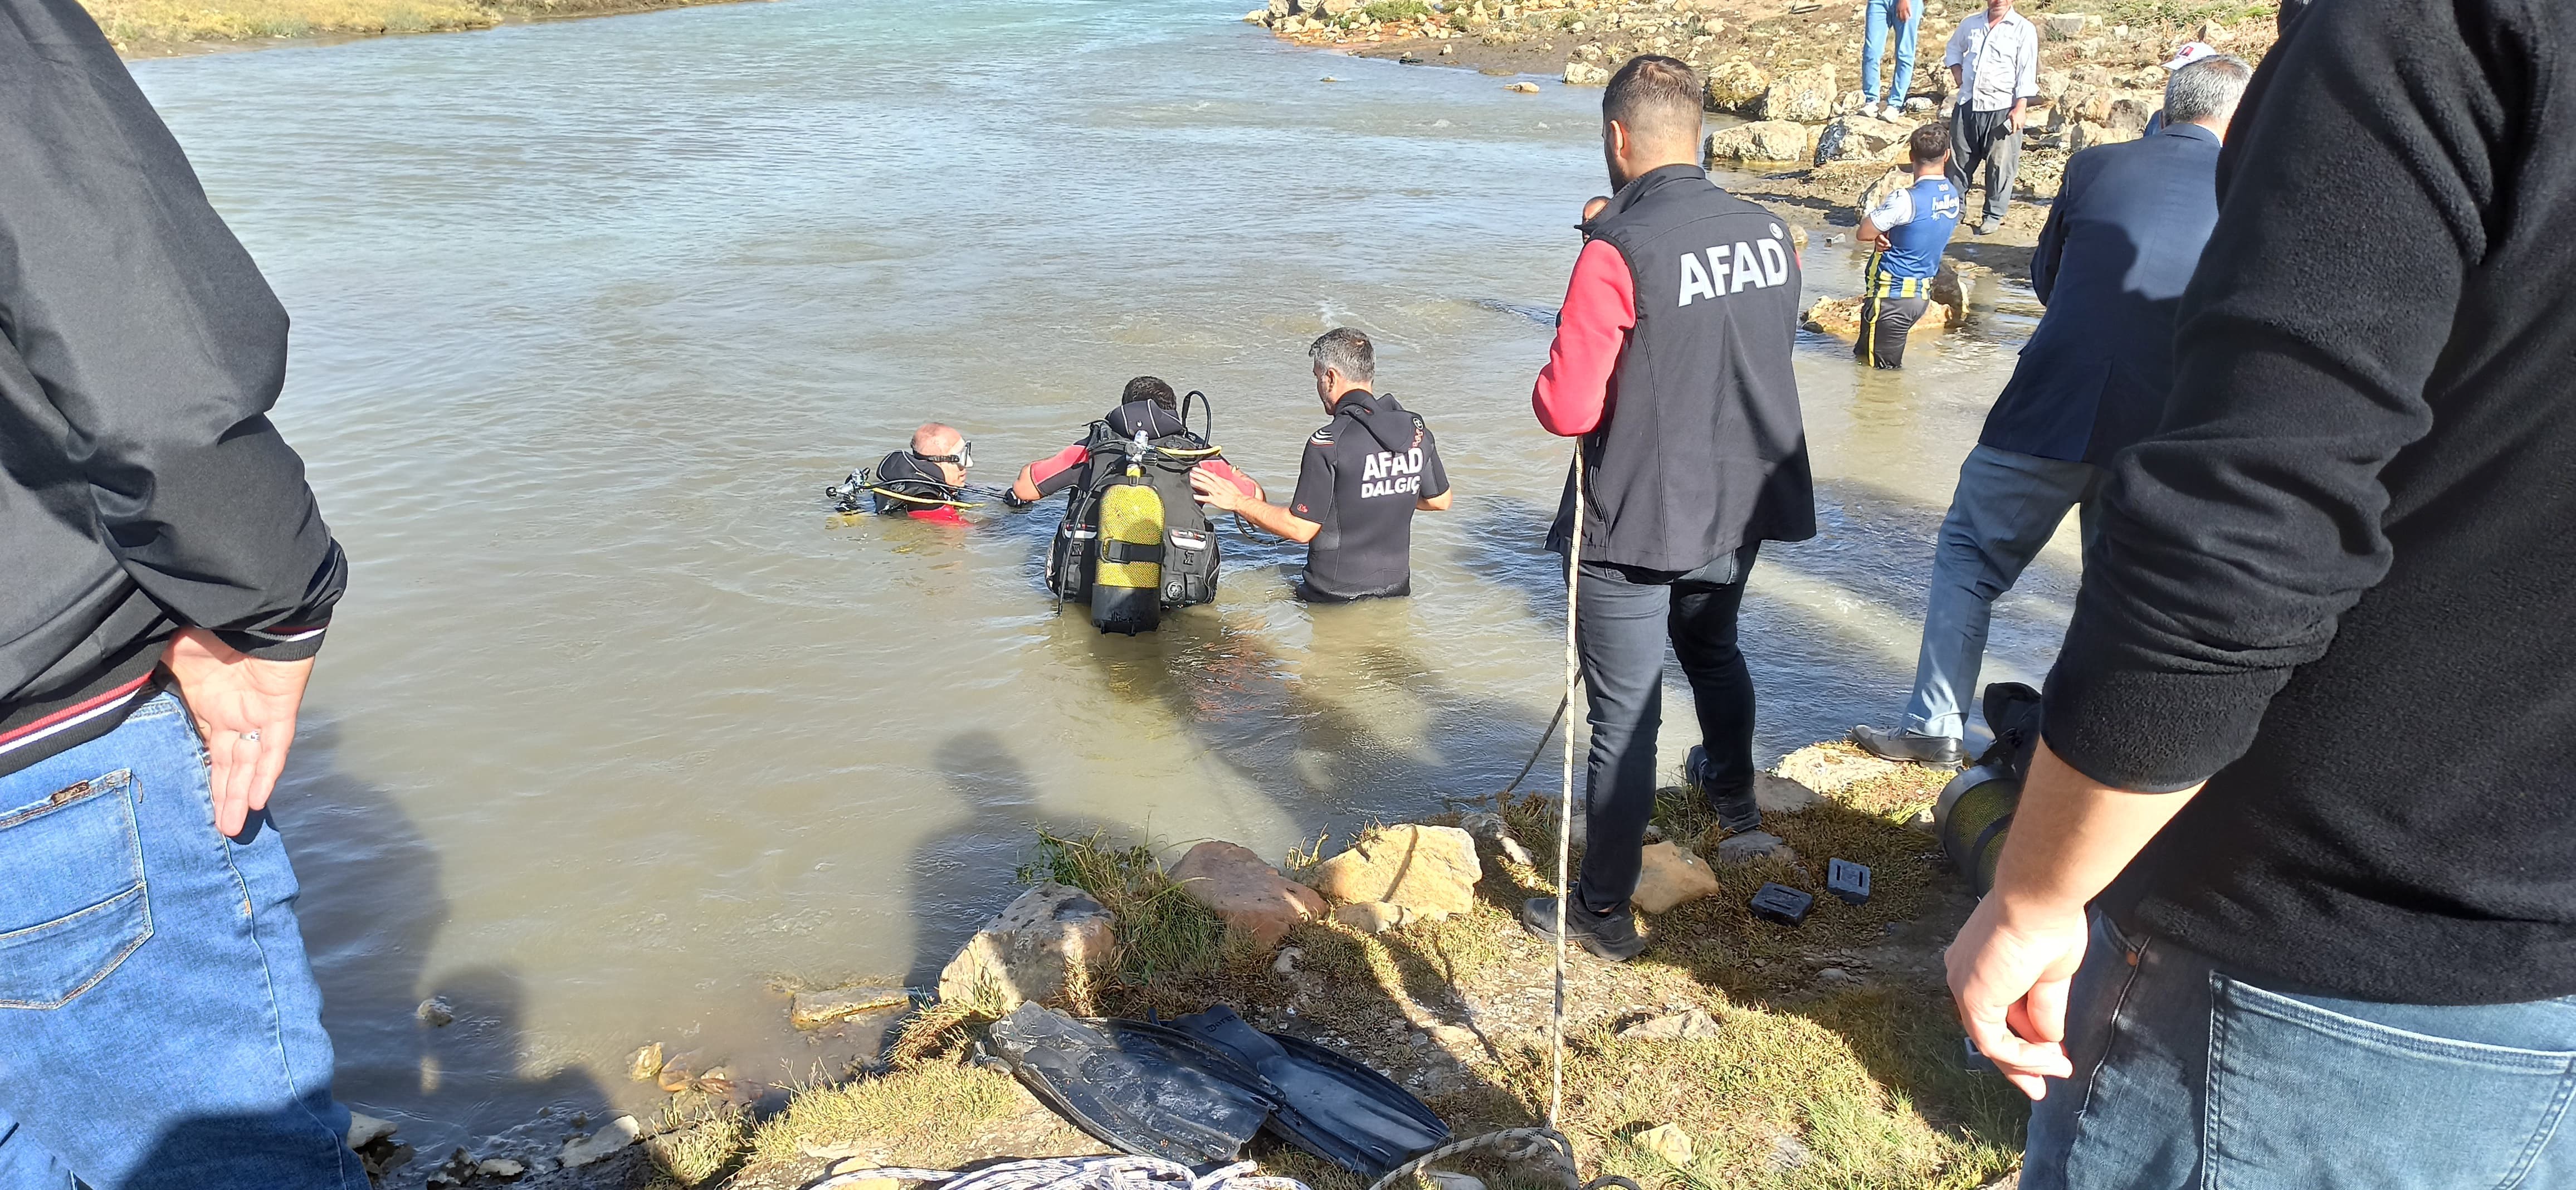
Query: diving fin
{"points": [[1146, 1089], [1329, 1105]]}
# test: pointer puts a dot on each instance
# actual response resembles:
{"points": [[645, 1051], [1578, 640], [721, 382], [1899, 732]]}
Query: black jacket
{"points": [[141, 485], [2340, 581], [2120, 243], [1702, 449]]}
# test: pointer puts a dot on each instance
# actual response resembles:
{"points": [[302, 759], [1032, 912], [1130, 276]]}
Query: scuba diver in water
{"points": [[1134, 539], [1363, 477], [926, 481]]}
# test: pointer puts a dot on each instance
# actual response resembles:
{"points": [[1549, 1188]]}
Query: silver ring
{"points": [[252, 735]]}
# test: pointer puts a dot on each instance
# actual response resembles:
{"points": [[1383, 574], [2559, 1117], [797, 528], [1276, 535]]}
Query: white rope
{"points": [[1075, 1173], [1565, 808]]}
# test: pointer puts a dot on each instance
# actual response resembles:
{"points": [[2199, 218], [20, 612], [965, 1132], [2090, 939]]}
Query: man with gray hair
{"points": [[2120, 243], [1364, 475]]}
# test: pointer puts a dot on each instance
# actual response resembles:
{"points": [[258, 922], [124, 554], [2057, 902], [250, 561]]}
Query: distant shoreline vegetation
{"points": [[159, 28]]}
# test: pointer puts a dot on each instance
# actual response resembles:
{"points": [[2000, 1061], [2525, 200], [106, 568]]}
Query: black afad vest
{"points": [[1703, 450]]}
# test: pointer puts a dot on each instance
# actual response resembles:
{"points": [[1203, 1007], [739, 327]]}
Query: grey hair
{"points": [[2205, 88], [1346, 351]]}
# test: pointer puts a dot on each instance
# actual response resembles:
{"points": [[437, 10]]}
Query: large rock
{"points": [[612, 1136], [1669, 1142], [1671, 876], [1832, 768], [1764, 140], [1876, 192], [1862, 138], [1840, 317], [1806, 95], [1027, 951], [1252, 897], [2066, 26], [1693, 1025], [812, 1010], [1736, 87], [1780, 795], [1431, 870], [1579, 73], [2082, 136], [2129, 113]]}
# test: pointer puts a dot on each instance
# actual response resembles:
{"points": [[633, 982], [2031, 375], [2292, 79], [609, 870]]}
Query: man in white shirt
{"points": [[1994, 73]]}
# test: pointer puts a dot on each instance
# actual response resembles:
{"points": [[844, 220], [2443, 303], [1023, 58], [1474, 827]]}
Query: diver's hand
{"points": [[245, 712], [1216, 491], [1012, 499]]}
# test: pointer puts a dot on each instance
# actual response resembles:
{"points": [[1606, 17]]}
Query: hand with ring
{"points": [[244, 709]]}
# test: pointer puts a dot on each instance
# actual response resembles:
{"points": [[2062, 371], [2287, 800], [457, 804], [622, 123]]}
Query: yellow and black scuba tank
{"points": [[1135, 539], [1127, 581]]}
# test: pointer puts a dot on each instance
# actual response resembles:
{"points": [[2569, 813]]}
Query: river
{"points": [[619, 732]]}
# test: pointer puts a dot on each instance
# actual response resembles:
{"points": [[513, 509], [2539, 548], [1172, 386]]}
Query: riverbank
{"points": [[1736, 1053], [1785, 76], [165, 28]]}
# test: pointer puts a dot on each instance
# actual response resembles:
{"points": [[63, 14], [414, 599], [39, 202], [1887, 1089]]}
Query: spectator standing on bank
{"points": [[1993, 60], [2119, 246], [2310, 748], [1883, 21], [1672, 365], [168, 582]]}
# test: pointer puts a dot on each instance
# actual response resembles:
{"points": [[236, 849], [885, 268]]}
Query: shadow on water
{"points": [[443, 1086]]}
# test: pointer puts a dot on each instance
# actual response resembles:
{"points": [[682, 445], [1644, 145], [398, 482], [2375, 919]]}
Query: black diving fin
{"points": [[1141, 1088], [1329, 1105]]}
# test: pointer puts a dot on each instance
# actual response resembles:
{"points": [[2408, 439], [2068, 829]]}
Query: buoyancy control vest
{"points": [[899, 483], [1135, 539]]}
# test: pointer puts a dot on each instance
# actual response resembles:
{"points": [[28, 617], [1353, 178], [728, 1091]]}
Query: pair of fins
{"points": [[1197, 1088]]}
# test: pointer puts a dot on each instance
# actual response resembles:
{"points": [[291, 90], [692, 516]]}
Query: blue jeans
{"points": [[1875, 24], [2007, 506], [2185, 1076], [1623, 617], [159, 1026]]}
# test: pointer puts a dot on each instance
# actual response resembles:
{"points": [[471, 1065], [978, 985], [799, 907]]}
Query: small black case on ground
{"points": [[1848, 880], [1975, 1059], [1783, 904]]}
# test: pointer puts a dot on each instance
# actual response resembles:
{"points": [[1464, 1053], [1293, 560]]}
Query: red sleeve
{"points": [[1063, 460], [1226, 471], [1591, 330]]}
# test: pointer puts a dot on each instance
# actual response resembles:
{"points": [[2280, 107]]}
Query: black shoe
{"points": [[1911, 746], [1736, 810], [1611, 936]]}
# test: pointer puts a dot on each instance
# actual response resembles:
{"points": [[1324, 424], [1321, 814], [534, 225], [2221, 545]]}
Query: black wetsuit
{"points": [[1361, 476]]}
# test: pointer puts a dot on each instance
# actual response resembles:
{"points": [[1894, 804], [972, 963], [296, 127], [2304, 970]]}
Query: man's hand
{"points": [[1904, 11], [2010, 969], [245, 713], [2014, 119], [1216, 491]]}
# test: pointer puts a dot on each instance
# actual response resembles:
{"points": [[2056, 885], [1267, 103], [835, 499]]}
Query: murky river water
{"points": [[618, 730]]}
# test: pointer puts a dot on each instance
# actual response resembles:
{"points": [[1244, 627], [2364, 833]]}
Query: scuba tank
{"points": [[1157, 550], [1976, 807], [1127, 581]]}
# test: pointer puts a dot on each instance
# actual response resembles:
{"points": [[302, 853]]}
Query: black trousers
{"points": [[1884, 324], [1623, 617], [1987, 139]]}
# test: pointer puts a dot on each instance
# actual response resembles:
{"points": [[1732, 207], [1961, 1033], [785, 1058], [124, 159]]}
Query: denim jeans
{"points": [[159, 1026], [1874, 23], [2007, 506], [1623, 616], [2186, 1076]]}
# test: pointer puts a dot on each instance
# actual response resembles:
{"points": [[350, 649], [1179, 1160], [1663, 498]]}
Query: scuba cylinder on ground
{"points": [[1976, 807], [1127, 582]]}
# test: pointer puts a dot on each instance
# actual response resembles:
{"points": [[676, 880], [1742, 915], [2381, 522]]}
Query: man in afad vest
{"points": [[1361, 480], [1672, 366], [1907, 231]]}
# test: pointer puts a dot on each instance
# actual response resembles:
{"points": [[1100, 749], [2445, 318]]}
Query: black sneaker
{"points": [[1911, 746], [1611, 936], [1737, 812]]}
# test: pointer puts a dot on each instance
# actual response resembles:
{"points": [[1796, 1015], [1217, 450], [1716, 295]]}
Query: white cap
{"points": [[2191, 51]]}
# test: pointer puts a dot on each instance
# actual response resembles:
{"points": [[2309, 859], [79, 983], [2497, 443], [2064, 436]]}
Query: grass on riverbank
{"points": [[1817, 1078], [171, 26]]}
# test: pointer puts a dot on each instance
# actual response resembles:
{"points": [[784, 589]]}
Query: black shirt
{"points": [[2339, 580], [1361, 476]]}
